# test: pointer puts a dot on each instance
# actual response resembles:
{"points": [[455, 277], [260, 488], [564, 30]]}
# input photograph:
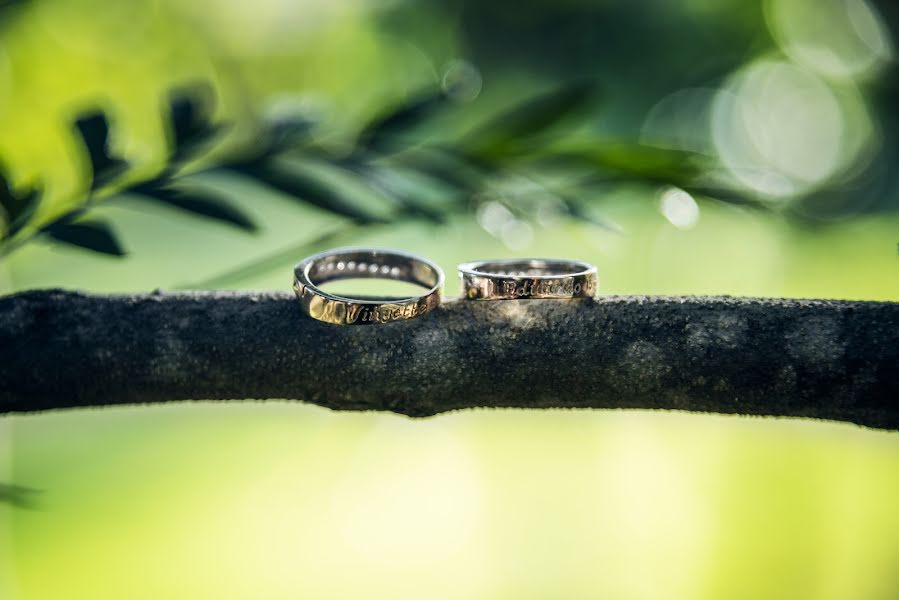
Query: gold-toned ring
{"points": [[370, 263], [520, 279]]}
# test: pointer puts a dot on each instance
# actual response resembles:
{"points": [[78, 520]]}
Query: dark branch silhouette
{"points": [[801, 358]]}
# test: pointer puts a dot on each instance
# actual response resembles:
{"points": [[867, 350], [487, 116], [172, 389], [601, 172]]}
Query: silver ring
{"points": [[370, 263], [519, 279]]}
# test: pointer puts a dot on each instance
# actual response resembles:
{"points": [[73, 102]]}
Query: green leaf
{"points": [[18, 208], [577, 211], [632, 160], [10, 9], [394, 183], [17, 495], [628, 162], [190, 111], [94, 131], [283, 132], [446, 166], [307, 188], [96, 236], [382, 131], [728, 195], [530, 118], [198, 204]]}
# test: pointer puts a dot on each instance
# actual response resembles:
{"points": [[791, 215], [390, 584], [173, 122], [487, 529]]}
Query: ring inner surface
{"points": [[368, 265], [532, 268]]}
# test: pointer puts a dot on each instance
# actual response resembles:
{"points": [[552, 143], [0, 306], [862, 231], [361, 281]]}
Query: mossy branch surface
{"points": [[834, 360]]}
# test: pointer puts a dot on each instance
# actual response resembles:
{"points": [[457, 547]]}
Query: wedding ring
{"points": [[520, 279], [370, 263]]}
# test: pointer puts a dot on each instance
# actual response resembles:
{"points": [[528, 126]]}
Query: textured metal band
{"points": [[372, 263], [528, 278]]}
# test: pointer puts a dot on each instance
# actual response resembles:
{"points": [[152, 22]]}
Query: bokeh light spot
{"points": [[782, 131], [517, 234], [461, 80], [836, 38], [679, 208]]}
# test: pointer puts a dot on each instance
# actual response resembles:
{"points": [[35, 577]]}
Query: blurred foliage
{"points": [[437, 140], [386, 153], [17, 495], [220, 141]]}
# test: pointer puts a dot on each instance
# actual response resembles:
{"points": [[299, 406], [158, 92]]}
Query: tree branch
{"points": [[802, 358]]}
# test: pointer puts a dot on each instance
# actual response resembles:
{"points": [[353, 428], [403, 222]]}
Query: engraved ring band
{"points": [[520, 279], [370, 263]]}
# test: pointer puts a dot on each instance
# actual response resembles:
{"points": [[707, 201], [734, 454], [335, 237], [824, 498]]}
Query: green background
{"points": [[281, 500]]}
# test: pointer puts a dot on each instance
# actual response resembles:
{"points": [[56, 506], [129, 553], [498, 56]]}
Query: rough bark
{"points": [[802, 358]]}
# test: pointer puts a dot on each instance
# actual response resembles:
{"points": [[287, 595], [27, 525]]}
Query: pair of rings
{"points": [[515, 279]]}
